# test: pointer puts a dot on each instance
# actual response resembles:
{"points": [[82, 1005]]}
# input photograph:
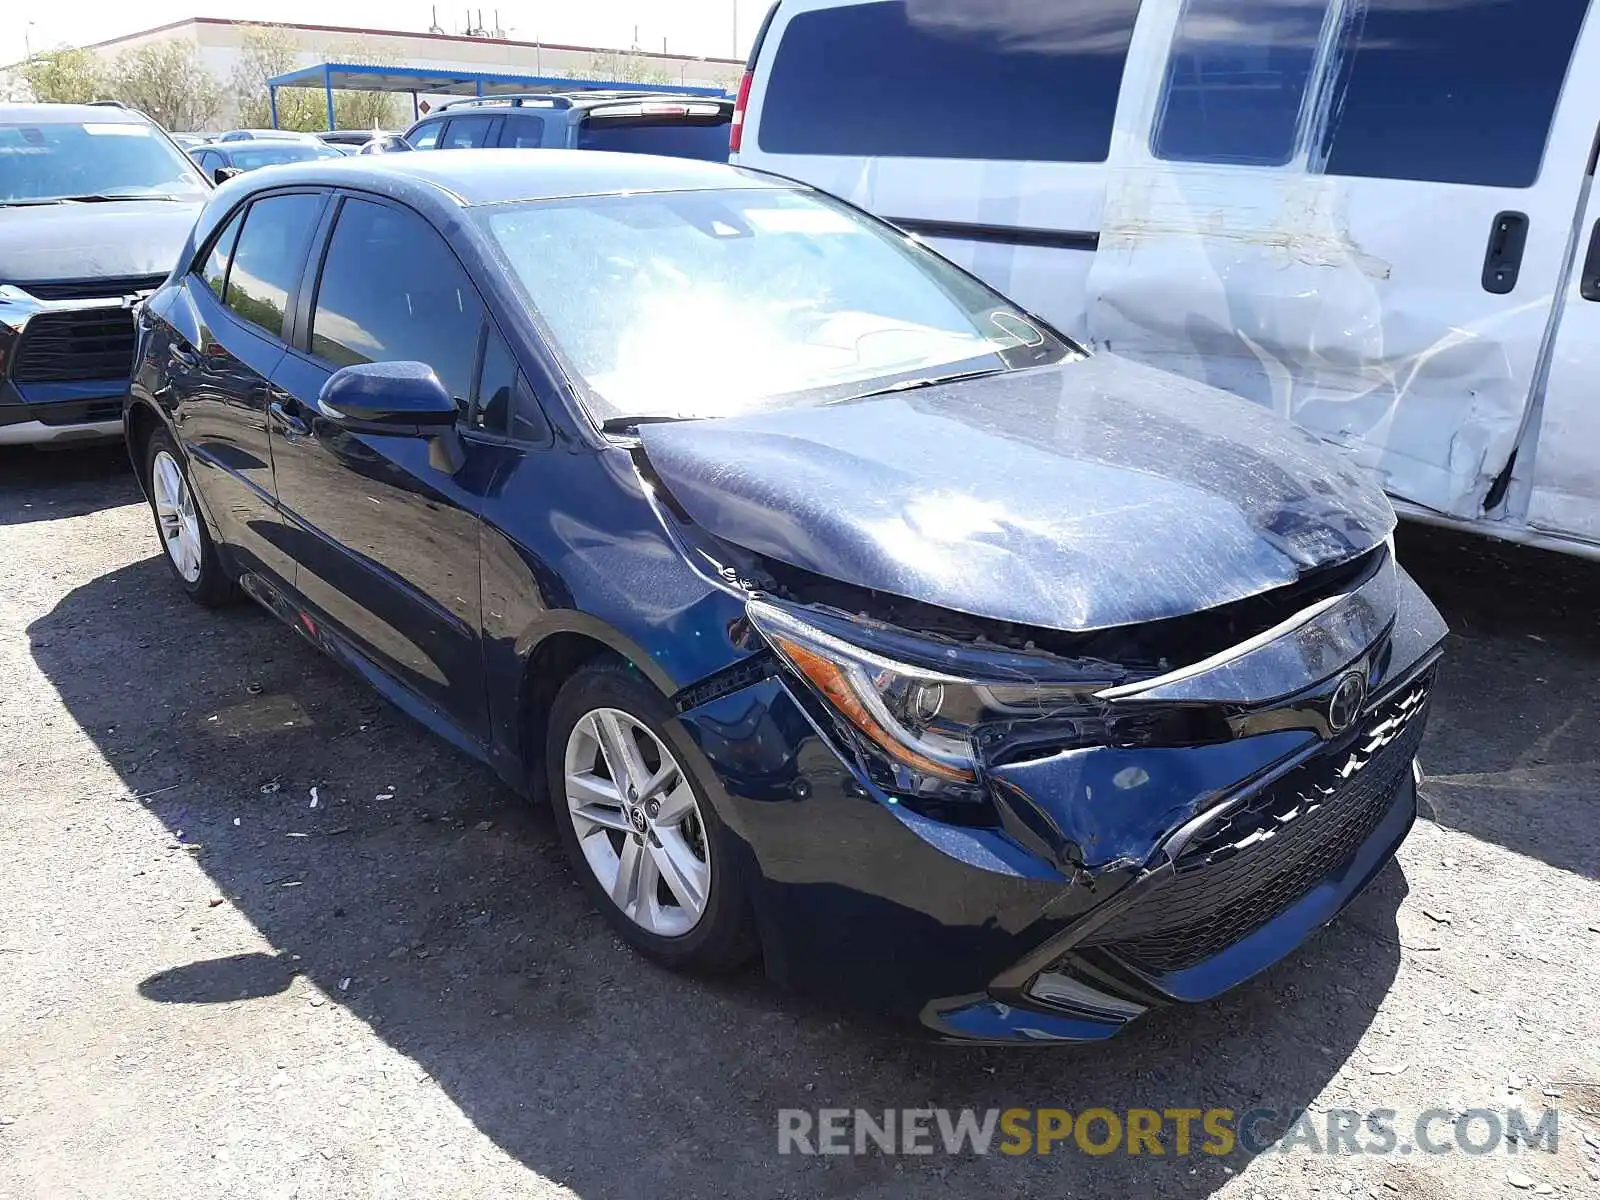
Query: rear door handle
{"points": [[1589, 281], [286, 423], [1503, 259], [181, 357]]}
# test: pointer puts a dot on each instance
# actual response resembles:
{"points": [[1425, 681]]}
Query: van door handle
{"points": [[1503, 259], [286, 423], [1589, 281]]}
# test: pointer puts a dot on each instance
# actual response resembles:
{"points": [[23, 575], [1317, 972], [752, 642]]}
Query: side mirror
{"points": [[223, 174], [397, 399]]}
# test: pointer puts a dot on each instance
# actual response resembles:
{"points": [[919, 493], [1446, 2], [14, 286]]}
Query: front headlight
{"points": [[924, 720]]}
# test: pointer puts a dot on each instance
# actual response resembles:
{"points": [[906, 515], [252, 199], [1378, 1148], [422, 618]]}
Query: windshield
{"points": [[705, 304], [249, 158], [113, 158]]}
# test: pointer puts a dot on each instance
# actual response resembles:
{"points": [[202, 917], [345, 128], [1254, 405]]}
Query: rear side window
{"points": [[677, 140], [522, 132], [467, 133], [426, 138], [1015, 81], [215, 271], [1237, 81], [1451, 93], [392, 290], [267, 260]]}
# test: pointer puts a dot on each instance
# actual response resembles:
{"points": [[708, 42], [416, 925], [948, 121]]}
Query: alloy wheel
{"points": [[637, 822], [175, 515]]}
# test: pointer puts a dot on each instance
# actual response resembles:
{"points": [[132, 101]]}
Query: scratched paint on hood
{"points": [[1080, 497]]}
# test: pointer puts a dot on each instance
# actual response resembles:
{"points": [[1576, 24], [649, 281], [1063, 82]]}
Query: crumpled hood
{"points": [[1079, 497], [84, 241]]}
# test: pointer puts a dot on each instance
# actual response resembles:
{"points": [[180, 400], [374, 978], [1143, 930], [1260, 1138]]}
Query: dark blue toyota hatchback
{"points": [[845, 613]]}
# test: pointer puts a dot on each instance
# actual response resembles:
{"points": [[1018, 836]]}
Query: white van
{"points": [[1371, 215]]}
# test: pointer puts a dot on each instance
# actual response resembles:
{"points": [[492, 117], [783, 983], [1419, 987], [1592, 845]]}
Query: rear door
{"points": [[1357, 212], [231, 340], [386, 542]]}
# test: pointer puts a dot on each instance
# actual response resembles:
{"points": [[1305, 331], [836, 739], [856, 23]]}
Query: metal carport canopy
{"points": [[365, 77]]}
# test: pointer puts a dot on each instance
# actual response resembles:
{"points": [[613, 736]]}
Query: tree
{"points": [[65, 77], [265, 53], [166, 81], [364, 110], [622, 67]]}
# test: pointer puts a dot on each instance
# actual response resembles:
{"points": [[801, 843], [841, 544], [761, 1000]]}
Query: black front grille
{"points": [[1253, 863], [90, 343], [93, 289]]}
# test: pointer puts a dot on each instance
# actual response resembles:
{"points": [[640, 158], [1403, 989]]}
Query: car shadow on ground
{"points": [[1513, 746], [44, 485], [438, 909]]}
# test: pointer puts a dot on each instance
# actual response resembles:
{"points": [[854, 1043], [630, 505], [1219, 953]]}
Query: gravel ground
{"points": [[216, 987]]}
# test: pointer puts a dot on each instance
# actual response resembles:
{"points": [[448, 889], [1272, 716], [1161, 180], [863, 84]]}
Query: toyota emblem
{"points": [[1344, 706]]}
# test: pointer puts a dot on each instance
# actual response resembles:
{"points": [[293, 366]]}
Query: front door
{"points": [[1356, 212], [385, 541]]}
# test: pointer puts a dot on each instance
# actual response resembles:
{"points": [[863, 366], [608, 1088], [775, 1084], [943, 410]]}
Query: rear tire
{"points": [[641, 833], [186, 542]]}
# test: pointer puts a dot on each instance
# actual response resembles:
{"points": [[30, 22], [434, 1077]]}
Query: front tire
{"points": [[189, 550], [634, 818]]}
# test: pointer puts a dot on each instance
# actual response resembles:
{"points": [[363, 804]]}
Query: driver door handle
{"points": [[286, 423]]}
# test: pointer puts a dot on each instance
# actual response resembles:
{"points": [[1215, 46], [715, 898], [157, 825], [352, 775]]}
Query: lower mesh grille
{"points": [[1252, 864], [88, 343]]}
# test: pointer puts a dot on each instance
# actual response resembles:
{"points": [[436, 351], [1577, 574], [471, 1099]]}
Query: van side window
{"points": [[1449, 93], [1237, 80], [1018, 81]]}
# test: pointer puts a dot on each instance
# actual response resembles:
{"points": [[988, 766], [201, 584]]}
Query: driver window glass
{"points": [[391, 290]]}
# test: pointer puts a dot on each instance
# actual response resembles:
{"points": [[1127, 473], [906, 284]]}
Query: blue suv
{"points": [[634, 122]]}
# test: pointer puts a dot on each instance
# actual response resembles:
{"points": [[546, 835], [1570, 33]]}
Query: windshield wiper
{"points": [[29, 203], [629, 424], [111, 197], [912, 385]]}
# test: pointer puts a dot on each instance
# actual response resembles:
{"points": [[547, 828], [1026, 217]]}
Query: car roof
{"points": [[535, 103], [71, 114], [475, 177]]}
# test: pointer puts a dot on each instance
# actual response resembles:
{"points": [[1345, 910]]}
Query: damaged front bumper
{"points": [[1116, 879]]}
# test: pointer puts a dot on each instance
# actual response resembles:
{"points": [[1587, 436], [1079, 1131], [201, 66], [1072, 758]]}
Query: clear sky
{"points": [[690, 26]]}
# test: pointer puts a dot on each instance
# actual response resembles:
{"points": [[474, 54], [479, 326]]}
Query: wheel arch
{"points": [[139, 421], [562, 645]]}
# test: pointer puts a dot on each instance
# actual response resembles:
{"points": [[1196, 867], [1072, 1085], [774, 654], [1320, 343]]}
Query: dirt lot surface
{"points": [[261, 936]]}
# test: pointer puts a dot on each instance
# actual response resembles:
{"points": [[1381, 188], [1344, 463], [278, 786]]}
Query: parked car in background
{"points": [[192, 141], [1379, 223], [842, 608], [232, 158], [95, 202], [638, 123], [351, 140], [250, 135], [388, 143]]}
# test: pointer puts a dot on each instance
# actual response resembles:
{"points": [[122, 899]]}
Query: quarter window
{"points": [[267, 260], [1460, 92], [912, 79], [392, 290], [1237, 80]]}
